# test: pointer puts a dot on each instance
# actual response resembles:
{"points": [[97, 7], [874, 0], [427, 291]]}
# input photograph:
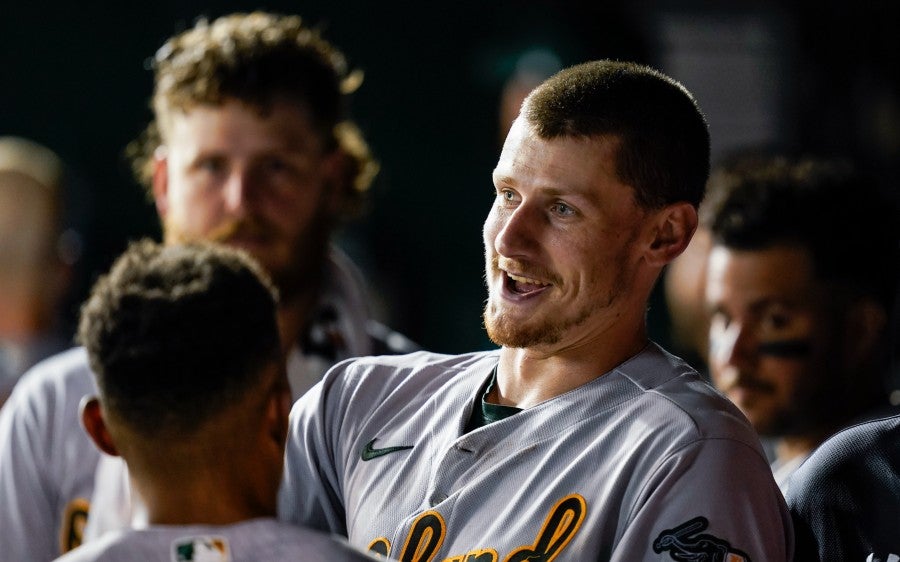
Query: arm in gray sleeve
{"points": [[714, 499], [310, 491]]}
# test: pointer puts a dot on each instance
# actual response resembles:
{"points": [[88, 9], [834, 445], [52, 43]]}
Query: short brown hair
{"points": [[664, 150]]}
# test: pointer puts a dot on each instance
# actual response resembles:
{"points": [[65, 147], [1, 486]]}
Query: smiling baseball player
{"points": [[579, 439]]}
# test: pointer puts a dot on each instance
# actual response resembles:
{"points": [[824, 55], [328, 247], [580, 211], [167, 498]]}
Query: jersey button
{"points": [[437, 498]]}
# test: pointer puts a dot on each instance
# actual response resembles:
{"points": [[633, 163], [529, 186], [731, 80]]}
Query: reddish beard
{"points": [[303, 267], [504, 331], [246, 228], [549, 326]]}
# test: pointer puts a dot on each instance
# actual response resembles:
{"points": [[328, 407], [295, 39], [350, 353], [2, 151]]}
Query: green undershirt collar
{"points": [[485, 412]]}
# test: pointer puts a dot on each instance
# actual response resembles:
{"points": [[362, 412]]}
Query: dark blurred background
{"points": [[822, 76]]}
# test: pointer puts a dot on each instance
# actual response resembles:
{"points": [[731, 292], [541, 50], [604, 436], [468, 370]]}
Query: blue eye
{"points": [[506, 195], [563, 209]]}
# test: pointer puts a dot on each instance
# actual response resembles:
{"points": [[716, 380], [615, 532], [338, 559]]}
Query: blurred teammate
{"points": [[251, 147], [578, 439], [33, 277], [800, 282]]}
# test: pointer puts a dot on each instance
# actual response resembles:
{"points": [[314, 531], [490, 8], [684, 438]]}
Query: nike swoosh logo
{"points": [[369, 452]]}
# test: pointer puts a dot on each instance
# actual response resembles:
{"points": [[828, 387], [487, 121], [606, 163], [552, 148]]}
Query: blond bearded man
{"points": [[250, 146]]}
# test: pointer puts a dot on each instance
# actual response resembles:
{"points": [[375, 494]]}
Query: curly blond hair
{"points": [[257, 58]]}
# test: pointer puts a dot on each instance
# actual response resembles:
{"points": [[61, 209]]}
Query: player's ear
{"points": [[95, 425], [160, 180], [278, 410], [338, 175], [671, 229]]}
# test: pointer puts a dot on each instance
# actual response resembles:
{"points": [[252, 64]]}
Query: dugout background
{"points": [[72, 77]]}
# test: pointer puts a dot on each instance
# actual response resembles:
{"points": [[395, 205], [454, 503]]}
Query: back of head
{"points": [[824, 206], [664, 150], [178, 334], [258, 59]]}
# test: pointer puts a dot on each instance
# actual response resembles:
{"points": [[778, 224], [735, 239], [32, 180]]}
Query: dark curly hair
{"points": [[758, 199], [176, 334]]}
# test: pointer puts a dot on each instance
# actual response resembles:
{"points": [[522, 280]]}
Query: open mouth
{"points": [[523, 286]]}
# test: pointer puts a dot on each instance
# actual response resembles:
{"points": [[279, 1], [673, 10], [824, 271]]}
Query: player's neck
{"points": [[293, 316], [793, 446], [209, 500], [527, 377]]}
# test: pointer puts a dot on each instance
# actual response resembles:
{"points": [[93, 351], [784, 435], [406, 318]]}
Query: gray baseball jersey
{"points": [[646, 462], [259, 540], [46, 460]]}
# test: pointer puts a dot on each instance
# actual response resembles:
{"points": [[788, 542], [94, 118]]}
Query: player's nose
{"points": [[518, 231], [738, 346], [239, 192]]}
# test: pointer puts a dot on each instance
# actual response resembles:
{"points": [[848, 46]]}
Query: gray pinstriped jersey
{"points": [[647, 462], [260, 540]]}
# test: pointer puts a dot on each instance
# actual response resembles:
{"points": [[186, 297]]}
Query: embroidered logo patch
{"points": [[369, 452], [684, 543], [201, 549]]}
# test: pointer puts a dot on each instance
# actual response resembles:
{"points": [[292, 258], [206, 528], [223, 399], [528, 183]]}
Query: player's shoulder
{"points": [[865, 455], [263, 539], [270, 539], [876, 436], [69, 368], [683, 400], [414, 376], [108, 547], [54, 382], [422, 364], [845, 499]]}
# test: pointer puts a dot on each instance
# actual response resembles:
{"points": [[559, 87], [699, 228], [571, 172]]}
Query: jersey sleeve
{"points": [[845, 499], [310, 493], [813, 518], [28, 519], [46, 461], [714, 499]]}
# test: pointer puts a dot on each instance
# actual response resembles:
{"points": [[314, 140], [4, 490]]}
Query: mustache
{"points": [[241, 228], [525, 269], [742, 379]]}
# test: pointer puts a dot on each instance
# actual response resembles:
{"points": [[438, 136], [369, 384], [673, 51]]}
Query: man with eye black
{"points": [[800, 284]]}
